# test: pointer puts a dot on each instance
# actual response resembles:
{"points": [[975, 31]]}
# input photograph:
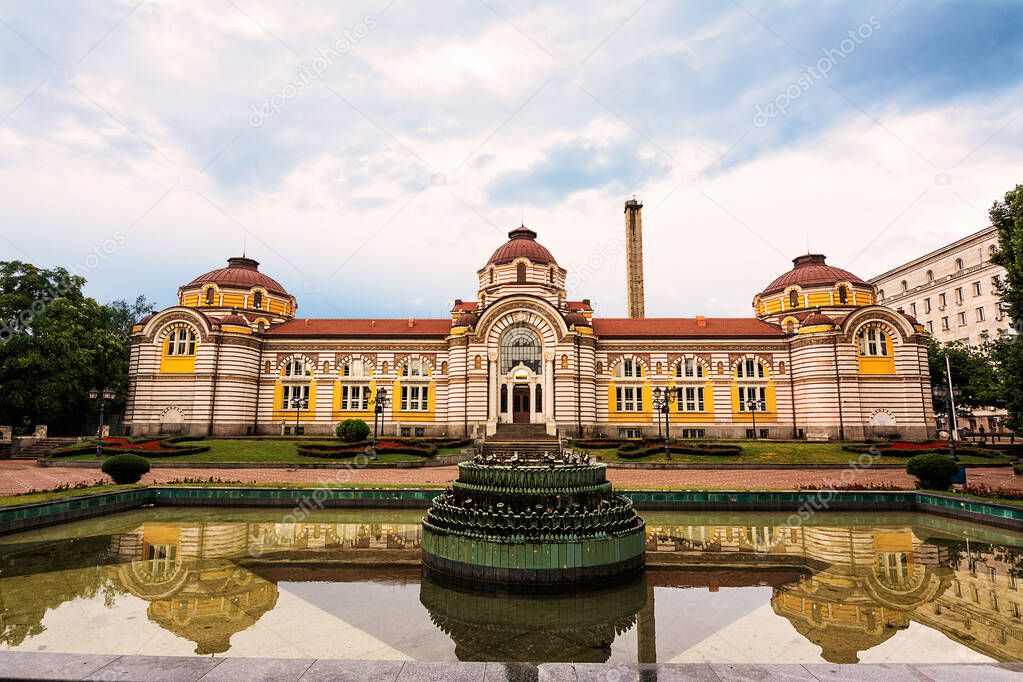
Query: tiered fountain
{"points": [[532, 518]]}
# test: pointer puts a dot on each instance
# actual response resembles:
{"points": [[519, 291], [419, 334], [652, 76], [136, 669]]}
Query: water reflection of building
{"points": [[195, 587], [534, 627], [863, 584]]}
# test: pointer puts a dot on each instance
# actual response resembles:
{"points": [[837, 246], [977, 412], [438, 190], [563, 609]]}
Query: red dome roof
{"points": [[467, 319], [818, 319], [235, 319], [811, 270], [577, 320], [522, 244], [240, 273]]}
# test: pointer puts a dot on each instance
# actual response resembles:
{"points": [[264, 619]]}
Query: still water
{"points": [[346, 584]]}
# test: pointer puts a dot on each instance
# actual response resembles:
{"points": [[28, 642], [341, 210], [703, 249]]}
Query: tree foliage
{"points": [[56, 344], [975, 376], [1007, 217]]}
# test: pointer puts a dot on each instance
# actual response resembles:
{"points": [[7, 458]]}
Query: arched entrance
{"points": [[521, 375]]}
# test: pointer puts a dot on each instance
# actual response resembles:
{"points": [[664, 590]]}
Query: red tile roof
{"points": [[685, 327], [465, 306], [349, 328]]}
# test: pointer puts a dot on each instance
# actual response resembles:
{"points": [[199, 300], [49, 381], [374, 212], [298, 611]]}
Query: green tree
{"points": [[974, 374], [1007, 217], [55, 345]]}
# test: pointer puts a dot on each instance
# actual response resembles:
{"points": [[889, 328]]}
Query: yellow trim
{"points": [[878, 365], [237, 328], [645, 415], [306, 415], [707, 415], [176, 364], [340, 414]]}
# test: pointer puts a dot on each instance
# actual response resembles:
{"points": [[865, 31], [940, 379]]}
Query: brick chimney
{"points": [[634, 256]]}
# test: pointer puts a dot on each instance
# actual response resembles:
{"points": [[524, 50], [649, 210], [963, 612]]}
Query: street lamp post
{"points": [[947, 395], [379, 403], [663, 398], [299, 404], [753, 406], [102, 396]]}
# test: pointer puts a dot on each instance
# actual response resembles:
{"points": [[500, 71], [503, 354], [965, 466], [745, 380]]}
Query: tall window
{"points": [[209, 296], [257, 299], [874, 343], [689, 369], [927, 305], [415, 398], [691, 399], [520, 273], [959, 294], [355, 398], [793, 299], [751, 369], [843, 294], [748, 394], [977, 289], [959, 264], [521, 346], [629, 398], [930, 275], [292, 392], [905, 285], [181, 341], [629, 369], [355, 369]]}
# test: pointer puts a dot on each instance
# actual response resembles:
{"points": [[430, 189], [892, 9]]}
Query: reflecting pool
{"points": [[844, 588]]}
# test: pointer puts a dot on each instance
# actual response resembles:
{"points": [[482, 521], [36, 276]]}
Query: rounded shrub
{"points": [[352, 430], [126, 468], [933, 471]]}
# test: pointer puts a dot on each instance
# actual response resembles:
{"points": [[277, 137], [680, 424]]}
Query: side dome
{"points": [[817, 319], [522, 244], [576, 320], [241, 273], [235, 319], [466, 319], [812, 270]]}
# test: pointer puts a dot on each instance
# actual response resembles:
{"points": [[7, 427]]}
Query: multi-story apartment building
{"points": [[951, 291]]}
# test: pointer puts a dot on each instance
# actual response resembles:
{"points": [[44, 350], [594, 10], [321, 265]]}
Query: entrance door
{"points": [[520, 405]]}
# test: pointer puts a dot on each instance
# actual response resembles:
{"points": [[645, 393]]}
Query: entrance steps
{"points": [[528, 440], [42, 448]]}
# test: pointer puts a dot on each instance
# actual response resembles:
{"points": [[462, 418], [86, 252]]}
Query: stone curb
{"points": [[19, 665], [156, 463]]}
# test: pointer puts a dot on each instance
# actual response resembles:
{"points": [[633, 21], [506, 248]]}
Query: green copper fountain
{"points": [[532, 518]]}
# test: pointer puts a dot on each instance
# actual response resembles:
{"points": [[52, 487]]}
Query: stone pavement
{"points": [[17, 476], [31, 665]]}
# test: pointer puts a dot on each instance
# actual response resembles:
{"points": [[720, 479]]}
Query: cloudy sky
{"points": [[373, 154]]}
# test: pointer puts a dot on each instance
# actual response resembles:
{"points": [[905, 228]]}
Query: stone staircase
{"points": [[525, 439], [41, 448]]}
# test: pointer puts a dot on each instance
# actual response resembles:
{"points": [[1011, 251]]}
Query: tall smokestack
{"points": [[634, 254]]}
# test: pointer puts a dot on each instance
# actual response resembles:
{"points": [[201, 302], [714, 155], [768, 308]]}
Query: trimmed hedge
{"points": [[640, 450], [125, 468], [933, 471], [171, 450], [894, 452], [425, 447], [603, 444], [352, 430]]}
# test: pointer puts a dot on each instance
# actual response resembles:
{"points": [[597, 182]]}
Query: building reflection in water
{"points": [[846, 589]]}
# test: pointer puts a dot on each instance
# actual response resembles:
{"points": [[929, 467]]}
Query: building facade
{"points": [[952, 291], [820, 359]]}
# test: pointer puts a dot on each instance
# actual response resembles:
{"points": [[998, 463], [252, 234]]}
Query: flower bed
{"points": [[851, 486], [981, 490], [913, 449], [144, 448]]}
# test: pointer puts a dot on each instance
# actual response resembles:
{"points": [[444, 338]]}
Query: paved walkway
{"points": [[17, 476]]}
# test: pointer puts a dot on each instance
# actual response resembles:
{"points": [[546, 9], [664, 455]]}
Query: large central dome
{"points": [[522, 244], [812, 270]]}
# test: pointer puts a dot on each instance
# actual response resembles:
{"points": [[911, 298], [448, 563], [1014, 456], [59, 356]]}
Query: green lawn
{"points": [[277, 451], [766, 452]]}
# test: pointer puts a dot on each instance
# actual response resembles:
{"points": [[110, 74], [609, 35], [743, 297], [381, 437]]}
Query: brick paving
{"points": [[23, 476]]}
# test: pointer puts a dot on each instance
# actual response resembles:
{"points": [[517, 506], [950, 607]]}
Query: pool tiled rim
{"points": [[41, 514]]}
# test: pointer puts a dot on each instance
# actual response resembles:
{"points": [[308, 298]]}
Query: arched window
{"points": [[444, 367], [880, 294], [751, 368], [181, 342], [930, 275], [843, 294], [905, 285], [297, 367], [383, 367], [689, 369], [521, 346], [209, 296], [564, 362], [600, 368], [959, 264], [477, 362], [415, 368], [260, 326], [629, 369], [550, 276], [356, 368], [874, 343], [790, 327], [257, 299], [491, 275], [992, 250], [793, 299], [781, 367], [266, 367], [520, 273]]}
